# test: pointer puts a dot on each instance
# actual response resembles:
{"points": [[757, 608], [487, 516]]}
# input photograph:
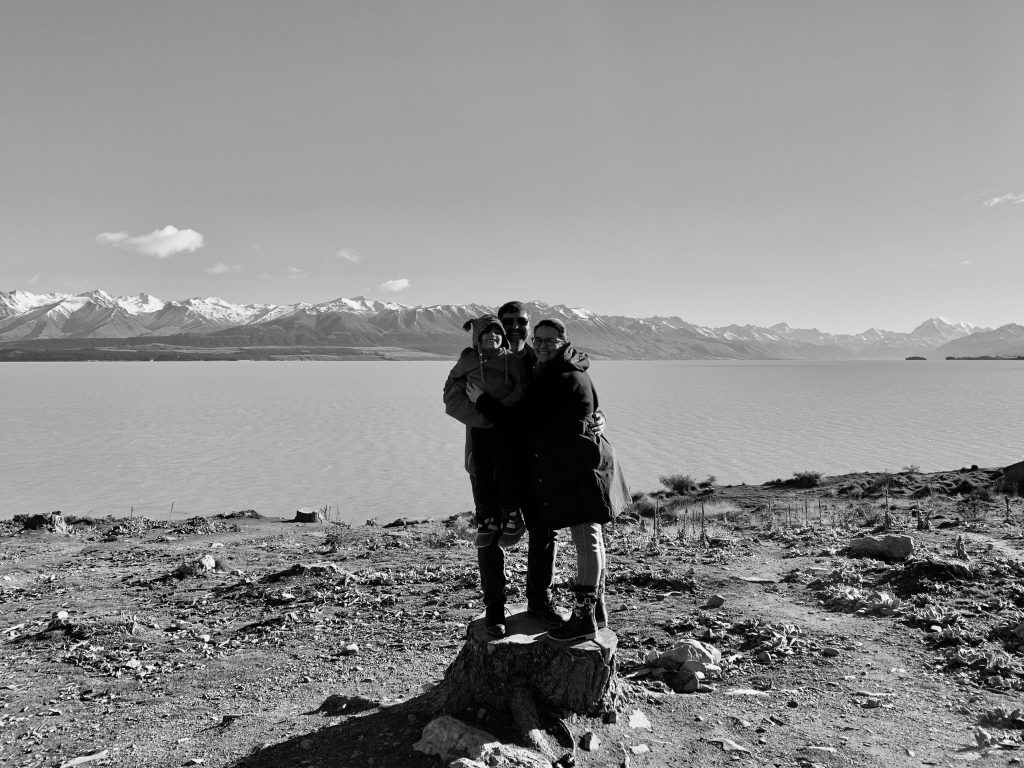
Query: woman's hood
{"points": [[570, 359]]}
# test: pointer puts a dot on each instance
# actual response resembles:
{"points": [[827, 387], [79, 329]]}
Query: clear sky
{"points": [[838, 165]]}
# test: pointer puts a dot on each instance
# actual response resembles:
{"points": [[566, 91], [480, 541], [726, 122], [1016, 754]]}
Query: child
{"points": [[502, 375]]}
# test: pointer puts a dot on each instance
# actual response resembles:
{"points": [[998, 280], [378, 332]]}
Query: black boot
{"points": [[581, 625], [600, 616]]}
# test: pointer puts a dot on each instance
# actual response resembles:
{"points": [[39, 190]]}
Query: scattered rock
{"points": [[196, 567], [450, 738], [829, 652], [638, 719], [684, 651], [589, 742], [101, 755], [728, 745], [682, 681], [336, 705], [715, 601], [888, 547]]}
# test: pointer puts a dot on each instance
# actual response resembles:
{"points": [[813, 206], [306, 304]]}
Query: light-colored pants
{"points": [[589, 542]]}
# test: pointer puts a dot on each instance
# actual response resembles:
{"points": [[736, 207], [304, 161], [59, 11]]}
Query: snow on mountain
{"points": [[88, 315], [359, 304], [140, 304], [17, 302], [360, 321]]}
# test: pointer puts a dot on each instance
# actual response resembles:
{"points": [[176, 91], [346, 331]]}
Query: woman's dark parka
{"points": [[571, 469]]}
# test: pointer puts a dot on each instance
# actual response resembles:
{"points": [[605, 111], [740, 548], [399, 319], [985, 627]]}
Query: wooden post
{"points": [[657, 521]]}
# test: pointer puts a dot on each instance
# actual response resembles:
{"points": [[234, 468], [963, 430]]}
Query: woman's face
{"points": [[490, 339], [547, 343]]}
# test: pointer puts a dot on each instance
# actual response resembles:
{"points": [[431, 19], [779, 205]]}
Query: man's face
{"points": [[517, 328]]}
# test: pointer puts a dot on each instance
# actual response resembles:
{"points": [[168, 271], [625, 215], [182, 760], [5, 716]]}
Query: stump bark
{"points": [[528, 675]]}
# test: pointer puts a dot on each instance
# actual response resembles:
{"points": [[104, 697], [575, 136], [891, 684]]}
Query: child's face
{"points": [[490, 339]]}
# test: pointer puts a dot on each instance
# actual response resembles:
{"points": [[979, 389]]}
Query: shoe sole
{"points": [[584, 636]]}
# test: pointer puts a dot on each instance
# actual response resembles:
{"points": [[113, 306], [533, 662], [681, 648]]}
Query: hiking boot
{"points": [[512, 529], [581, 625], [600, 617], [496, 629], [547, 613], [494, 621], [485, 532]]}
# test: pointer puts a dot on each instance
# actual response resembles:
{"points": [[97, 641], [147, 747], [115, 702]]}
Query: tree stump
{"points": [[527, 673]]}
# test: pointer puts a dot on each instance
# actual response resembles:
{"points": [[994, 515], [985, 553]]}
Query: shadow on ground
{"points": [[380, 738]]}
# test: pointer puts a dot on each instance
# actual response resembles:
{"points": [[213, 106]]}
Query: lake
{"points": [[371, 440]]}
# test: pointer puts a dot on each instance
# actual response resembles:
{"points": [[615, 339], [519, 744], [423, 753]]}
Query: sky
{"points": [[829, 165]]}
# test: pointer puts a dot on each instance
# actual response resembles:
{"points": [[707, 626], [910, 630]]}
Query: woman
{"points": [[572, 470]]}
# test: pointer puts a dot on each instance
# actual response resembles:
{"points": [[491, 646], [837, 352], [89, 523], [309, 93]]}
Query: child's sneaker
{"points": [[512, 528], [485, 532]]}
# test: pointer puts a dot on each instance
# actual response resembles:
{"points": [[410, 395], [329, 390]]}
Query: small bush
{"points": [[680, 484], [805, 479], [708, 482], [644, 506], [911, 469]]}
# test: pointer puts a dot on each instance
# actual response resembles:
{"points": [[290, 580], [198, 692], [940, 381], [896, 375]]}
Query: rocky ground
{"points": [[244, 641]]}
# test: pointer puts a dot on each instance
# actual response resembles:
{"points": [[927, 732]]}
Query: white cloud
{"points": [[35, 279], [349, 254], [1011, 198], [395, 285], [222, 269], [294, 273], [160, 242], [966, 263]]}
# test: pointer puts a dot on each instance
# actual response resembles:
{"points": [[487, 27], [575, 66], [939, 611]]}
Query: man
{"points": [[541, 544]]}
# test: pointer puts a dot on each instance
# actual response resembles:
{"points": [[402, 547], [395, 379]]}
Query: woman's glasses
{"points": [[537, 342]]}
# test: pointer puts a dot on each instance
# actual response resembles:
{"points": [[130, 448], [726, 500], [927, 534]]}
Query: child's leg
{"points": [[485, 488]]}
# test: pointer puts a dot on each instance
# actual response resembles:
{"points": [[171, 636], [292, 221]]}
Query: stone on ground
{"points": [[888, 547]]}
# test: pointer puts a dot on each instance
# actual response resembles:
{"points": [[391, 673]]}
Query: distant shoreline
{"points": [[167, 353], [342, 354], [909, 484]]}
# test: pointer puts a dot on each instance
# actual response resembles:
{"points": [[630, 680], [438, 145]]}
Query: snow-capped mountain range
{"points": [[28, 319]]}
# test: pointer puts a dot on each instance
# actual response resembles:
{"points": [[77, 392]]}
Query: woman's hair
{"points": [[551, 322]]}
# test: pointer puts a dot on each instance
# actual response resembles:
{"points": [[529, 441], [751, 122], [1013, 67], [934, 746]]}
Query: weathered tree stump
{"points": [[528, 675]]}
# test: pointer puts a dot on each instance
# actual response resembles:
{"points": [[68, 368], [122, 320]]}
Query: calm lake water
{"points": [[372, 439]]}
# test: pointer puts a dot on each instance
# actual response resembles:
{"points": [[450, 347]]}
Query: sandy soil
{"points": [[308, 644]]}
